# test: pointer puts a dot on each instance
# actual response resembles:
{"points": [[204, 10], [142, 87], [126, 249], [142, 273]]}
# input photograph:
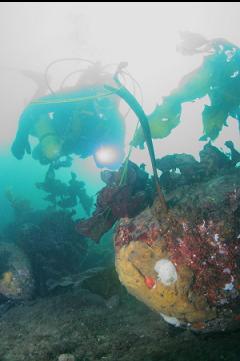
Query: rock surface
{"points": [[199, 241], [75, 324], [16, 281]]}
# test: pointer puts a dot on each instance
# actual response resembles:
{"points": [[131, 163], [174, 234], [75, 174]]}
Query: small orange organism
{"points": [[150, 282]]}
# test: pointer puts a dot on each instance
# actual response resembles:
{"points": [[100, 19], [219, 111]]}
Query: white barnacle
{"points": [[229, 287], [216, 237], [166, 272], [172, 320], [185, 227]]}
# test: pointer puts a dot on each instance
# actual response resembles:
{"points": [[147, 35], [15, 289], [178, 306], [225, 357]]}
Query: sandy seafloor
{"points": [[79, 323]]}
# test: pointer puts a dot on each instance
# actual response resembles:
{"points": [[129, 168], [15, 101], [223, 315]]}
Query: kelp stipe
{"points": [[123, 92]]}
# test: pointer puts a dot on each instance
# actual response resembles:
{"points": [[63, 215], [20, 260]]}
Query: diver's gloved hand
{"points": [[20, 146], [37, 154]]}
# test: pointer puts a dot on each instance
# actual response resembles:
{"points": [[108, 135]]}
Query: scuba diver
{"points": [[83, 120]]}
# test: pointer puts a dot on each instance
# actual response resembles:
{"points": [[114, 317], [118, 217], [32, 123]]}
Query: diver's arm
{"points": [[27, 120], [21, 144]]}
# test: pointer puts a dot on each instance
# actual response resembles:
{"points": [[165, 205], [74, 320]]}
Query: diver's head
{"points": [[109, 156]]}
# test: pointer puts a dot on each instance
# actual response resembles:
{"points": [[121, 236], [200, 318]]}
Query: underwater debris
{"points": [[117, 200]]}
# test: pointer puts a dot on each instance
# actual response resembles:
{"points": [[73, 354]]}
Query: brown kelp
{"points": [[180, 254], [218, 77], [120, 199]]}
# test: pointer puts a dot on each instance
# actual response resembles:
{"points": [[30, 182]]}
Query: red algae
{"points": [[144, 227], [211, 258]]}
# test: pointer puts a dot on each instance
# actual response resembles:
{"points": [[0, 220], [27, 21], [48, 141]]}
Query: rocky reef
{"points": [[16, 278], [81, 324], [44, 245], [184, 264]]}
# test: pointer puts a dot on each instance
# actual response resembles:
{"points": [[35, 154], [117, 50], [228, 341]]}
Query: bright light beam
{"points": [[106, 155]]}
